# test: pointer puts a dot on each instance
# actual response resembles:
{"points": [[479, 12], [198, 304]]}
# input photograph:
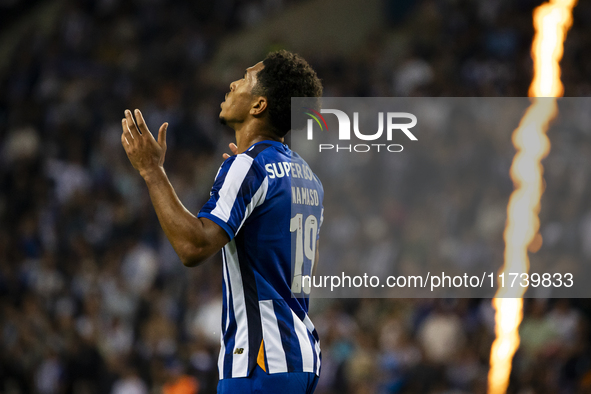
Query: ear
{"points": [[259, 106]]}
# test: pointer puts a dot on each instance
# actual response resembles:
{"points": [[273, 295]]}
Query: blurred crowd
{"points": [[441, 206], [94, 300]]}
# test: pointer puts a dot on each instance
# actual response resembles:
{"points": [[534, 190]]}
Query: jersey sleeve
{"points": [[240, 186], [321, 197]]}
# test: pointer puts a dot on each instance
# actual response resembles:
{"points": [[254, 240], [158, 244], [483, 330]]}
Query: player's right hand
{"points": [[233, 149], [144, 152]]}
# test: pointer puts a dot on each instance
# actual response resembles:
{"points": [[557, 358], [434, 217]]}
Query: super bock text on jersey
{"points": [[269, 202]]}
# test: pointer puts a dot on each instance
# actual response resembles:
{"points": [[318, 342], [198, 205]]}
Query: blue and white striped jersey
{"points": [[270, 203]]}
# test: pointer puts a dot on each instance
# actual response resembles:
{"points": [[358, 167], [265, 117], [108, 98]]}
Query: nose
{"points": [[233, 86]]}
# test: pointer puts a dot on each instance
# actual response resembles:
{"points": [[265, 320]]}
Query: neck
{"points": [[251, 133]]}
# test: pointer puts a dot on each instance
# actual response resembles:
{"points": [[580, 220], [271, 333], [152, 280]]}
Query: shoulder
{"points": [[259, 155], [249, 165], [242, 161]]}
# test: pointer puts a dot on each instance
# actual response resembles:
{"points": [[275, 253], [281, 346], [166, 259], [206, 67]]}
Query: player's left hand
{"points": [[233, 149], [143, 151]]}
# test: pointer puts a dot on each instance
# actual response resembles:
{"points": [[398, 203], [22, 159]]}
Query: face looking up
{"points": [[239, 101]]}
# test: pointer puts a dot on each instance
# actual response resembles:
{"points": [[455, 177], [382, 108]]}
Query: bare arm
{"points": [[194, 239]]}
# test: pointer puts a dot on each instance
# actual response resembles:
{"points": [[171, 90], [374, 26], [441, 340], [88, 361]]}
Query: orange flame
{"points": [[552, 21]]}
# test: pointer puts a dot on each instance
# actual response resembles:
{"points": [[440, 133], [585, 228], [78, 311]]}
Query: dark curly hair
{"points": [[285, 75]]}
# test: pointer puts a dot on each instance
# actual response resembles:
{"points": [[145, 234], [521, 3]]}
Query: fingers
{"points": [[124, 140], [130, 124], [233, 149], [162, 134], [126, 130], [142, 123], [136, 131]]}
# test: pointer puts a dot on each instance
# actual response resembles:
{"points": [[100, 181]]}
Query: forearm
{"points": [[193, 239], [185, 232]]}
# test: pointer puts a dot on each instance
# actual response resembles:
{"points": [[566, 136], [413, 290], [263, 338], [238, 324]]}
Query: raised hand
{"points": [[144, 152]]}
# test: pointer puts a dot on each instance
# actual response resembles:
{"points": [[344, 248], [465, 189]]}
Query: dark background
{"points": [[94, 300]]}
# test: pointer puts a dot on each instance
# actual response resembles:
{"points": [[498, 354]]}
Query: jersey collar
{"points": [[270, 142]]}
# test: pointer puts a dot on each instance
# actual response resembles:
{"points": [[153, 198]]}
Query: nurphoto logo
{"points": [[393, 124]]}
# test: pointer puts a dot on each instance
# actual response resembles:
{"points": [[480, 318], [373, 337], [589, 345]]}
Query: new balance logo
{"points": [[239, 350]]}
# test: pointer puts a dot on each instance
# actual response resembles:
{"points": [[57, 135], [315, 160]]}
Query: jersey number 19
{"points": [[305, 246]]}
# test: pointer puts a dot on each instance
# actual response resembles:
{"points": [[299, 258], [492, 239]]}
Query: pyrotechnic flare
{"points": [[551, 21]]}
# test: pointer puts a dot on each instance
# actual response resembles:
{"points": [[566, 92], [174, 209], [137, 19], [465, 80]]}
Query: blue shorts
{"points": [[260, 382]]}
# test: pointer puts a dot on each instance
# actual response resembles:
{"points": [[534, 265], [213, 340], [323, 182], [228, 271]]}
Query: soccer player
{"points": [[265, 211]]}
